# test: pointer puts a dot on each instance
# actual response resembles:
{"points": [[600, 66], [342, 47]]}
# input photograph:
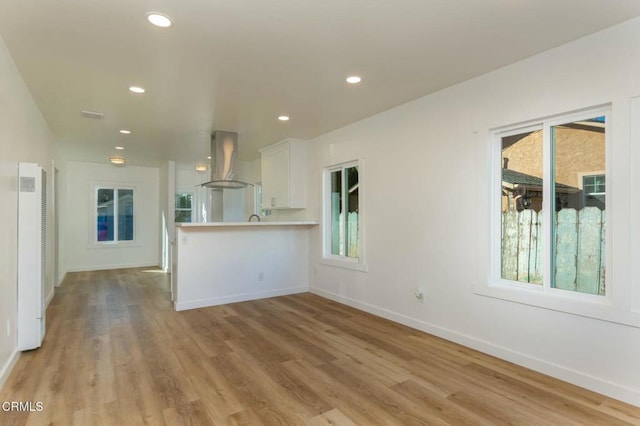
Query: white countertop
{"points": [[254, 224]]}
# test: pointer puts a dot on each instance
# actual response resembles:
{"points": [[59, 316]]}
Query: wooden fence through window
{"points": [[579, 247]]}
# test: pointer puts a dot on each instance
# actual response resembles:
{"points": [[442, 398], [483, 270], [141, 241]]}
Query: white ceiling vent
{"points": [[93, 115]]}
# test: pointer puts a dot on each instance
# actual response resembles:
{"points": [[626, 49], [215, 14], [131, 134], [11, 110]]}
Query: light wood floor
{"points": [[116, 353]]}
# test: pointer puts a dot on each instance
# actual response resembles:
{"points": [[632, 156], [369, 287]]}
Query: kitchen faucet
{"points": [[254, 215]]}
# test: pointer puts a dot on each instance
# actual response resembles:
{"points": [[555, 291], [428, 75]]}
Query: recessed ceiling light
{"points": [[119, 147], [159, 19], [354, 79], [284, 118], [136, 89], [125, 132], [117, 160], [201, 167], [209, 157]]}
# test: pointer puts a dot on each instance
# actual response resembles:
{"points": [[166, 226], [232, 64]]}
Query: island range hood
{"points": [[224, 173]]}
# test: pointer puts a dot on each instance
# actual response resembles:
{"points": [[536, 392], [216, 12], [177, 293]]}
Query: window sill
{"points": [[596, 307], [354, 266], [119, 244]]}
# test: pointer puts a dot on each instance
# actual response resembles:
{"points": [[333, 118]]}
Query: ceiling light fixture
{"points": [[125, 132], [136, 89], [92, 115], [118, 161], [201, 168], [159, 19], [284, 118], [209, 157], [119, 148], [354, 79]]}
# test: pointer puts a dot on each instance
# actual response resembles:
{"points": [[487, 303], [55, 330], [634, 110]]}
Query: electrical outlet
{"points": [[419, 295]]}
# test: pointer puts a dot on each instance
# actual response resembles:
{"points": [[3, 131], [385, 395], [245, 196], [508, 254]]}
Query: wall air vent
{"points": [[27, 184], [92, 115]]}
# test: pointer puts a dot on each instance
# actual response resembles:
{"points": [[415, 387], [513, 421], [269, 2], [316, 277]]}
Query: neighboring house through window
{"points": [[550, 223], [115, 214]]}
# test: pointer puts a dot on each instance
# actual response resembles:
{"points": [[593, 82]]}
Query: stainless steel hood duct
{"points": [[224, 148]]}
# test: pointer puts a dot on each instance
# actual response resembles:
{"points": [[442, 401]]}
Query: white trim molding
{"points": [[8, 367]]}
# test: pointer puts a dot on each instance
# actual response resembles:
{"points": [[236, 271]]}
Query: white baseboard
{"points": [[8, 367], [50, 297], [109, 267], [578, 378], [203, 303], [61, 278]]}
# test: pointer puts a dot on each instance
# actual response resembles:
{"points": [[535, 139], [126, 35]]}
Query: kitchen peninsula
{"points": [[225, 262]]}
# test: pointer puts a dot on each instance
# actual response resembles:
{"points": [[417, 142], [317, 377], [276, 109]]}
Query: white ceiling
{"points": [[237, 64]]}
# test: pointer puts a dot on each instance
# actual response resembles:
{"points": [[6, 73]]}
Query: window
{"points": [[114, 208], [258, 206], [594, 190], [184, 207], [343, 215], [550, 220]]}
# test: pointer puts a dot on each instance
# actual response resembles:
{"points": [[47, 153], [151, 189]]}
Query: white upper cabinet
{"points": [[284, 175]]}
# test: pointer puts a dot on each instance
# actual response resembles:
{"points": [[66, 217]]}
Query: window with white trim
{"points": [[594, 190], [549, 220], [342, 222], [114, 215], [183, 207]]}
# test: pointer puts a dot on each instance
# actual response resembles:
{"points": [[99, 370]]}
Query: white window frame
{"points": [[592, 174], [94, 216], [329, 258], [192, 210], [258, 208], [611, 306]]}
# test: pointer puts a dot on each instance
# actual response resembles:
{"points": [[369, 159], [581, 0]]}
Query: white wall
{"points": [[78, 217], [426, 198], [24, 136]]}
